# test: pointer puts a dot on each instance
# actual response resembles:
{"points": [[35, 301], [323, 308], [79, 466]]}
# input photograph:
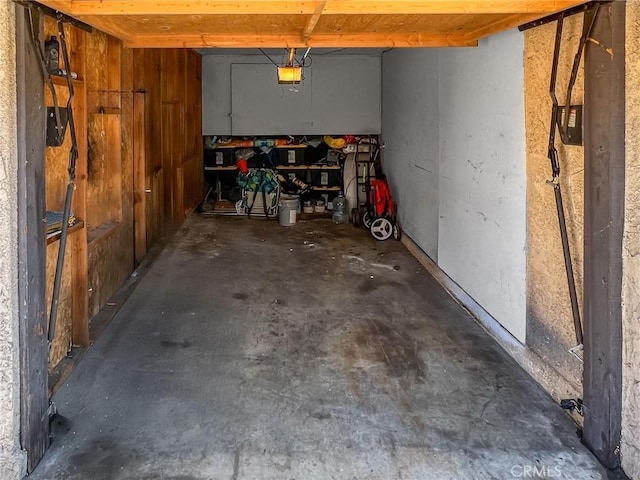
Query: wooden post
{"points": [[139, 182], [34, 352], [604, 222], [78, 242]]}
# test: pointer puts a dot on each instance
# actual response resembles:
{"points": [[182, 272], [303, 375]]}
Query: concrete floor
{"points": [[253, 351]]}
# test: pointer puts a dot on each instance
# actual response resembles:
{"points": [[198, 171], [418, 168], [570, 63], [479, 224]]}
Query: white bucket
{"points": [[288, 210]]}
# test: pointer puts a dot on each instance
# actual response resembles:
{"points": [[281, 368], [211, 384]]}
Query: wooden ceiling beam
{"points": [[501, 25], [313, 21], [294, 41], [307, 7]]}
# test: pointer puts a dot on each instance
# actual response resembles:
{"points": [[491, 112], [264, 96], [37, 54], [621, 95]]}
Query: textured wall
{"points": [[12, 461], [630, 448], [453, 125], [410, 131], [550, 331], [482, 234]]}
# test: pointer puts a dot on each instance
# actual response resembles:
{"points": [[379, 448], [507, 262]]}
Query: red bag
{"points": [[380, 198]]}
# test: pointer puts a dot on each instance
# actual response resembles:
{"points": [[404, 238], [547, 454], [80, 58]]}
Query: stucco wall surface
{"points": [[630, 447], [12, 460], [550, 331]]}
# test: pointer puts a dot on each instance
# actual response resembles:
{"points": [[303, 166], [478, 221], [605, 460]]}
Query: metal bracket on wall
{"points": [[562, 123], [567, 13], [50, 12], [57, 121], [56, 134]]}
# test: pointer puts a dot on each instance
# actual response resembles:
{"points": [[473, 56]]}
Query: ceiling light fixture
{"points": [[290, 74]]}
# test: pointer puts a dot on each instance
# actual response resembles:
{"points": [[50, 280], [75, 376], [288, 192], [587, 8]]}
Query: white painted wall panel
{"points": [[453, 123], [482, 234], [216, 91], [341, 94], [410, 131], [260, 106]]}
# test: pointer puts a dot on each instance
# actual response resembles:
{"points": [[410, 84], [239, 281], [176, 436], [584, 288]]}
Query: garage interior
{"points": [[195, 341]]}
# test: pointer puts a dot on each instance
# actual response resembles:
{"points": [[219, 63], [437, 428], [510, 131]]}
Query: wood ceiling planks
{"points": [[313, 23]]}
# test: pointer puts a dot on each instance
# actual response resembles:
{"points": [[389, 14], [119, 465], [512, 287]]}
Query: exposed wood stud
{"points": [[306, 7], [506, 23], [294, 41], [313, 20], [306, 23]]}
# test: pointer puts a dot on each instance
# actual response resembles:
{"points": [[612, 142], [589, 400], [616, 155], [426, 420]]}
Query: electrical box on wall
{"points": [[573, 133]]}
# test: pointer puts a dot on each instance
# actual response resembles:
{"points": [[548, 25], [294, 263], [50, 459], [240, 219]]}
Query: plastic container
{"points": [[319, 207], [288, 207], [308, 207], [292, 155], [340, 209], [219, 157]]}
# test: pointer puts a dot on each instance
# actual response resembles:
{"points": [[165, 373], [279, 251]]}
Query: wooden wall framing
{"points": [[139, 172], [170, 82]]}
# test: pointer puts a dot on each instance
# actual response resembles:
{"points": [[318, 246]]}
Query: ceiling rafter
{"points": [[306, 23], [501, 25], [313, 21], [307, 7], [294, 41]]}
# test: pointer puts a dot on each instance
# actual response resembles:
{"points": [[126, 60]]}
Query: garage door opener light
{"points": [[290, 74]]}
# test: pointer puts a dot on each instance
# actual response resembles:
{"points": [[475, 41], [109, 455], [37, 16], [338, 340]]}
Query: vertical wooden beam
{"points": [[78, 241], [139, 182], [179, 212], [34, 395], [604, 221]]}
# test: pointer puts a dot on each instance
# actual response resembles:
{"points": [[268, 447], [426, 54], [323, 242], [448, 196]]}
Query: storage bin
{"points": [[325, 178], [291, 155], [219, 157]]}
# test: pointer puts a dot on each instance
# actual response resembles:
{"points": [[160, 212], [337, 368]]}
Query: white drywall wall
{"points": [[410, 132], [465, 144], [341, 94], [482, 234]]}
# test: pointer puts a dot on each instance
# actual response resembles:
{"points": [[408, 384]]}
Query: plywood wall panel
{"points": [[173, 67], [109, 196], [62, 340], [171, 83], [72, 313], [110, 265], [104, 181]]}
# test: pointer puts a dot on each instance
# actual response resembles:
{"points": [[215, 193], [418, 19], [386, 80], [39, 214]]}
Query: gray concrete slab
{"points": [[254, 351]]}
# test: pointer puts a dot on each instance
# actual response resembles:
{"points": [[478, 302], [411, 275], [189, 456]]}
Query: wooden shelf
{"points": [[326, 189], [220, 169], [279, 167], [60, 80], [55, 236], [309, 167], [101, 231]]}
